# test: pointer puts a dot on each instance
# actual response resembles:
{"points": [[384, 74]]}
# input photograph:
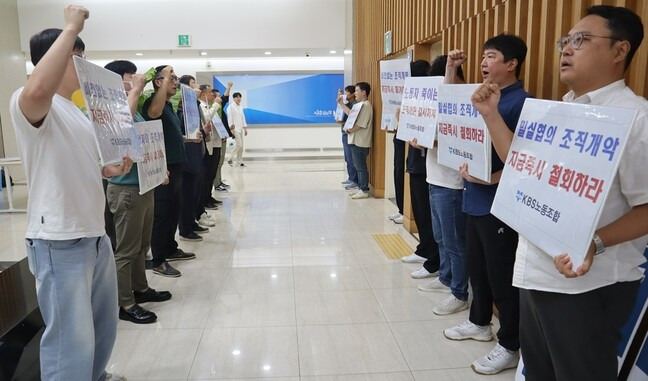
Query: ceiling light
{"points": [[347, 51], [203, 53], [139, 54], [332, 52], [267, 53]]}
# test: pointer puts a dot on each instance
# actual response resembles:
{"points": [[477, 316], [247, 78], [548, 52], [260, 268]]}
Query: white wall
{"points": [[12, 68], [231, 24]]}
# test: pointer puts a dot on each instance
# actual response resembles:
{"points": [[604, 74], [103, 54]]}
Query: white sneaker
{"points": [[422, 273], [413, 258], [395, 216], [450, 306], [352, 191], [496, 361], [434, 286], [360, 194], [398, 220], [206, 220], [114, 377], [468, 330]]}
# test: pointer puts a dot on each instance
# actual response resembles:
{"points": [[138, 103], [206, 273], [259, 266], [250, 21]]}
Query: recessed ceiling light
{"points": [[347, 51], [203, 53], [139, 54], [267, 53], [332, 52]]}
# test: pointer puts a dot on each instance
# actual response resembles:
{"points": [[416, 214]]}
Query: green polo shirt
{"points": [[173, 140]]}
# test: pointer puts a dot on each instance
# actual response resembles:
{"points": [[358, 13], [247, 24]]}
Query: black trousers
{"points": [[165, 216], [192, 189], [399, 172], [574, 337], [490, 257], [210, 163], [427, 247]]}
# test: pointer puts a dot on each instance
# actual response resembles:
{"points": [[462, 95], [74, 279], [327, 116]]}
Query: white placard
{"points": [[152, 169], [392, 83], [219, 127], [339, 111], [353, 116], [190, 112], [558, 173], [108, 109], [462, 133], [418, 113]]}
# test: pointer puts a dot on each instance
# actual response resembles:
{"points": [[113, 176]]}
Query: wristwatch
{"points": [[598, 244]]}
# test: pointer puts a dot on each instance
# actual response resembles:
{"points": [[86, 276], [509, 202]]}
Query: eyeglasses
{"points": [[577, 40], [173, 78]]}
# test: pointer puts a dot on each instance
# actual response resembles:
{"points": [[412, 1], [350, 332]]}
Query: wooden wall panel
{"points": [[466, 24]]}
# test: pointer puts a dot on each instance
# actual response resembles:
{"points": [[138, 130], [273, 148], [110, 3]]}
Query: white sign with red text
{"points": [[152, 169], [418, 113], [558, 173], [353, 116], [392, 83], [462, 133], [109, 112]]}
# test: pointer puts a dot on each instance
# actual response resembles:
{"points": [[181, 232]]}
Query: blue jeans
{"points": [[449, 227], [348, 158], [76, 286], [360, 164]]}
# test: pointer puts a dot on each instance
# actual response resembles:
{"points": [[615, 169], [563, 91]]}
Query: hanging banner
{"points": [[152, 169], [462, 133], [190, 112], [353, 116], [392, 83], [559, 171], [107, 108], [418, 112], [219, 127]]}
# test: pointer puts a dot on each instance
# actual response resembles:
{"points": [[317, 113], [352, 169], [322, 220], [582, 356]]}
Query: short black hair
{"points": [[40, 43], [204, 88], [186, 79], [438, 67], [121, 67], [511, 47], [236, 95], [419, 68], [624, 24], [215, 91], [158, 70], [350, 89], [364, 86]]}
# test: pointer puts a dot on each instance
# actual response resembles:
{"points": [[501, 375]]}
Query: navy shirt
{"points": [[478, 198], [173, 140], [416, 161]]}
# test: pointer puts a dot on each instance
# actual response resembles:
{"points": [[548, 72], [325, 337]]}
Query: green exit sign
{"points": [[184, 40]]}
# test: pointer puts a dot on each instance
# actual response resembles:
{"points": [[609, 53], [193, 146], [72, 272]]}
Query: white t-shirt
{"points": [[236, 117], [61, 159], [535, 269], [440, 175]]}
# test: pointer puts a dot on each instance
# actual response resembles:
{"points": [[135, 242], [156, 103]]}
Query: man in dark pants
{"points": [[427, 250], [219, 184], [570, 319], [167, 197], [491, 244], [399, 179], [209, 109], [192, 175], [352, 175]]}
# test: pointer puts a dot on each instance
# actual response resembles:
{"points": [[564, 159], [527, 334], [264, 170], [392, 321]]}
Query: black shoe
{"points": [[211, 206], [230, 163], [200, 229], [226, 186], [180, 255], [220, 188], [211, 199], [165, 269], [217, 202], [151, 295], [137, 314], [242, 165], [190, 237]]}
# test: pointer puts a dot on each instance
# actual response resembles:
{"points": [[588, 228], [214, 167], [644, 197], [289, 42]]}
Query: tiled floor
{"points": [[289, 285]]}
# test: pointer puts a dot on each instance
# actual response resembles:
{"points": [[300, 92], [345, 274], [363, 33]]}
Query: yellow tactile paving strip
{"points": [[393, 245]]}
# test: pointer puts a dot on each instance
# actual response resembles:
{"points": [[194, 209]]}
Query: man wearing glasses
{"points": [[166, 213], [570, 319]]}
